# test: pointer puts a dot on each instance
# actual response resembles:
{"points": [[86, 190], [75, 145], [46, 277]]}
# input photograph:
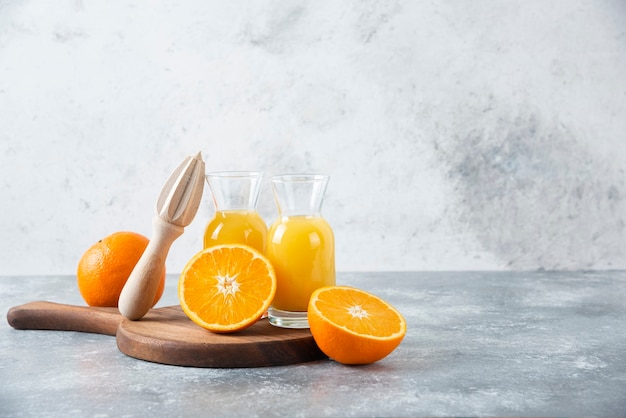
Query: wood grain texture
{"points": [[166, 335], [60, 317]]}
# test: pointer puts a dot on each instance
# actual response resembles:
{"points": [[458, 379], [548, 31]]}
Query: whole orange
{"points": [[105, 267]]}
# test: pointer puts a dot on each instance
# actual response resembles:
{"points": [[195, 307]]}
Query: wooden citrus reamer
{"points": [[176, 207]]}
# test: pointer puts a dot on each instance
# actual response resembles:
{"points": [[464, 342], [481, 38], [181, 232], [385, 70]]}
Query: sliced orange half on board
{"points": [[226, 288], [352, 326]]}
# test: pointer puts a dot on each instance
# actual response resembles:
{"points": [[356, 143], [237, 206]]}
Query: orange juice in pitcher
{"points": [[236, 220], [302, 252], [300, 246]]}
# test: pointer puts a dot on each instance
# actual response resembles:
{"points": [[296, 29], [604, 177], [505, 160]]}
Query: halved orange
{"points": [[352, 326], [226, 288]]}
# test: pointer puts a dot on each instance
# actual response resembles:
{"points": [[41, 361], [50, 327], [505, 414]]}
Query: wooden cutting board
{"points": [[166, 335]]}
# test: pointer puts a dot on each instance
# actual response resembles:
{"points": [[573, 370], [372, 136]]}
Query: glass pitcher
{"points": [[300, 246], [236, 220]]}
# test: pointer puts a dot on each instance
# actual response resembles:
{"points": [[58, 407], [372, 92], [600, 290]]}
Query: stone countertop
{"points": [[478, 343]]}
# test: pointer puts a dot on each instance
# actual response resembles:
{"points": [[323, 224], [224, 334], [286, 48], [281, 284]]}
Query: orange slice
{"points": [[226, 288], [352, 326]]}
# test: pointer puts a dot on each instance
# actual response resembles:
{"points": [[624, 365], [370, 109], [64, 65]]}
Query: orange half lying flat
{"points": [[352, 326]]}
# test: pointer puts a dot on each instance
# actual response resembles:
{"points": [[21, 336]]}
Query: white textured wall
{"points": [[458, 134]]}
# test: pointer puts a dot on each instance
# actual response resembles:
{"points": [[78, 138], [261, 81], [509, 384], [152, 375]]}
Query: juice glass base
{"points": [[287, 319]]}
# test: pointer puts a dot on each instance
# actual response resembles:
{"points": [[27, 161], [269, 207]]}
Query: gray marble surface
{"points": [[496, 343]]}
